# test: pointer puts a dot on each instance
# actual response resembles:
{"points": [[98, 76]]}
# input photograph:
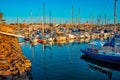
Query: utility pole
{"points": [[115, 4]]}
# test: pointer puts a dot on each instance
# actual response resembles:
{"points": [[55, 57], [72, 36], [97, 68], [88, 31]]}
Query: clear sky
{"points": [[61, 10]]}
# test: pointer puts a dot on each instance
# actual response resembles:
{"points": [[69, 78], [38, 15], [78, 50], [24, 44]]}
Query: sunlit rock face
{"points": [[13, 64], [8, 28]]}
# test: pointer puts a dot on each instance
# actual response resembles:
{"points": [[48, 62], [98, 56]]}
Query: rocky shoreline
{"points": [[12, 62]]}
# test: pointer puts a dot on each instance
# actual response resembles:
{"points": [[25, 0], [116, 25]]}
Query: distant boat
{"points": [[42, 39], [26, 38], [76, 30], [108, 55], [70, 36]]}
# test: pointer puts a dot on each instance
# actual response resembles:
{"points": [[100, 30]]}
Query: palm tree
{"points": [[1, 16]]}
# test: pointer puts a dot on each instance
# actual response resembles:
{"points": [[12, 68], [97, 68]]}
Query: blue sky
{"points": [[61, 10]]}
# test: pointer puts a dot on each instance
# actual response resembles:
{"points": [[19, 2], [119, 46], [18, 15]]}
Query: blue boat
{"points": [[109, 57], [107, 53]]}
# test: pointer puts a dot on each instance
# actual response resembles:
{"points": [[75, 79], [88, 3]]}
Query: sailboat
{"points": [[109, 52], [42, 38]]}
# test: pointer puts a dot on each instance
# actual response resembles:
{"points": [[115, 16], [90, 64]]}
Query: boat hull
{"points": [[101, 63], [112, 59]]}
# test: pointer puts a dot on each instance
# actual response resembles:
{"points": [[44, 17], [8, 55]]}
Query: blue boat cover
{"points": [[110, 43]]}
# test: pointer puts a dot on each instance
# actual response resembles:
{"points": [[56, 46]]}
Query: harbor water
{"points": [[63, 61]]}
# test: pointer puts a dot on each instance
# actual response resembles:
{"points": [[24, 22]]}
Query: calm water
{"points": [[64, 62]]}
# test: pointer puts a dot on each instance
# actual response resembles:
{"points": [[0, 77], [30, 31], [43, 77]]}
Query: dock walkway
{"points": [[10, 34]]}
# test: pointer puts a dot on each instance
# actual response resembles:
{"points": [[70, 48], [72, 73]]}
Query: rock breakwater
{"points": [[13, 64]]}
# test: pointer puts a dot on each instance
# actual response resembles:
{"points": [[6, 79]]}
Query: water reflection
{"points": [[60, 43], [32, 46], [101, 70], [101, 66], [61, 61], [48, 47], [69, 53]]}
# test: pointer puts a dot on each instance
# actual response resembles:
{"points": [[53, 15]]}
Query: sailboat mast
{"points": [[79, 16], [31, 18], [44, 12], [72, 14], [105, 19], [115, 4], [50, 17], [43, 18], [17, 20], [42, 27]]}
